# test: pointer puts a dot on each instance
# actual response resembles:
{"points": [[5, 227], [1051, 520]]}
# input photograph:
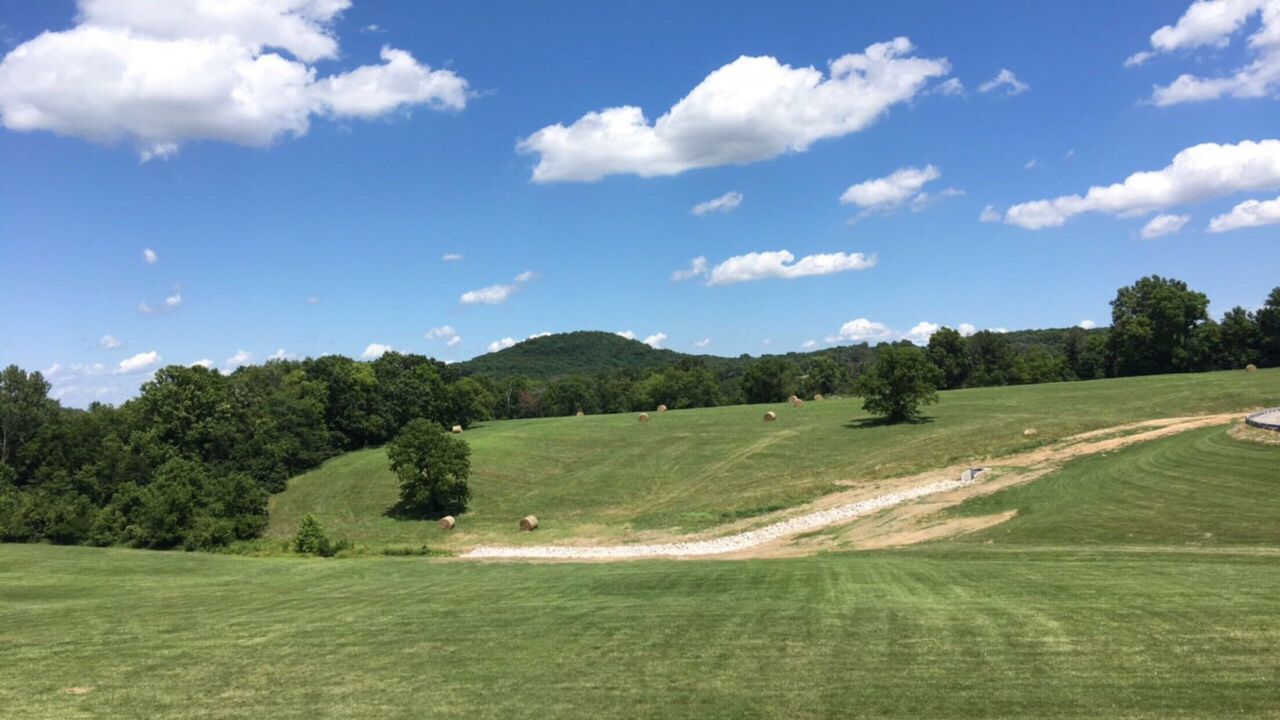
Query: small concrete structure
{"points": [[1267, 419]]}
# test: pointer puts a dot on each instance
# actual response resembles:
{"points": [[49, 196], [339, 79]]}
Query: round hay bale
{"points": [[1251, 368], [456, 429], [797, 403], [580, 414], [818, 398], [792, 399], [644, 417], [447, 522], [528, 522], [1030, 432], [662, 408], [770, 416]]}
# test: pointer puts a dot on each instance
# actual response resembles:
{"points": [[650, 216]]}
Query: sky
{"points": [[190, 182]]}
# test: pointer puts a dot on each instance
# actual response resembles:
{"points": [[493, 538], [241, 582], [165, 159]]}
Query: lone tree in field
{"points": [[433, 467], [898, 383]]}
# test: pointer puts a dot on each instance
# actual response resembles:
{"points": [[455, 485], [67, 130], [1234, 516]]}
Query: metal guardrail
{"points": [[1256, 421]]}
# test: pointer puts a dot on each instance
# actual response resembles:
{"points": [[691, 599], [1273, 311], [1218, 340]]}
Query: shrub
{"points": [[311, 539]]}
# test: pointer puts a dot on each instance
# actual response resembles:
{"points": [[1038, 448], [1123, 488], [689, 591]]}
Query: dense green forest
{"points": [[191, 461]]}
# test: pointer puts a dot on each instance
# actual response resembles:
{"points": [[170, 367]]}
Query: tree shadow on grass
{"points": [[865, 423], [400, 512]]}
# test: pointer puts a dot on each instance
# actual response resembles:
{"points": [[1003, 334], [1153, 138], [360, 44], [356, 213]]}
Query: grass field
{"points": [[1140, 583], [615, 479]]}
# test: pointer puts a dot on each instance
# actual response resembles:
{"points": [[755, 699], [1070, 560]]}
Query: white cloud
{"points": [[704, 342], [375, 350], [138, 363], [446, 334], [1163, 225], [538, 335], [697, 267], [149, 256], [626, 334], [724, 204], [1212, 23], [1250, 213], [492, 295], [809, 344], [171, 303], [205, 363], [950, 86], [451, 257], [752, 109], [505, 342], [966, 329], [921, 332], [999, 330], [1088, 324], [526, 276], [109, 342], [1031, 164], [242, 357], [776, 264], [157, 75], [1198, 173], [656, 340], [886, 193], [1007, 80], [989, 214], [861, 330], [280, 354]]}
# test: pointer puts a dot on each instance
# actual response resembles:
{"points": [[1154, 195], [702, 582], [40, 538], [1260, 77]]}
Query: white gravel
{"points": [[729, 543]]}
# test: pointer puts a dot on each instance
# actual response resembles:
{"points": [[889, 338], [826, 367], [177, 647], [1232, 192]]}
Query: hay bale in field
{"points": [[1251, 368], [818, 398], [797, 403], [770, 416], [528, 522], [662, 408], [447, 522], [456, 429], [792, 399], [644, 417], [1030, 432], [580, 414]]}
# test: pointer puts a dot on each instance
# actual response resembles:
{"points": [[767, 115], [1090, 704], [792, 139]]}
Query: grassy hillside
{"points": [[943, 633], [1199, 489], [612, 478]]}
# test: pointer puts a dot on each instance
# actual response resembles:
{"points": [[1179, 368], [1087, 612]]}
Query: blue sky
{"points": [[316, 223]]}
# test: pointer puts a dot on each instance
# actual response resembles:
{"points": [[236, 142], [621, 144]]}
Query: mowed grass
{"points": [[1200, 488], [611, 478], [949, 632]]}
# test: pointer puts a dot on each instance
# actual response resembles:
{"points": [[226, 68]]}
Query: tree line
{"points": [[191, 461]]}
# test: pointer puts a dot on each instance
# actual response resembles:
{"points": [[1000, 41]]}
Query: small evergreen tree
{"points": [[311, 539]]}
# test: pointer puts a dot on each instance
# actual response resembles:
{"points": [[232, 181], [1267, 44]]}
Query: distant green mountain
{"points": [[584, 352], [590, 352]]}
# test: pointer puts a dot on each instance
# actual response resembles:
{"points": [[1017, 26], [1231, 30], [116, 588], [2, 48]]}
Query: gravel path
{"points": [[729, 543]]}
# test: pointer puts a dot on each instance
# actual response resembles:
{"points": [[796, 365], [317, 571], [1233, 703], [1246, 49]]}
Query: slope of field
{"points": [[1202, 488], [610, 478], [951, 633]]}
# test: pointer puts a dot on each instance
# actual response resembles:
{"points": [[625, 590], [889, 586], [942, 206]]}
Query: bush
{"points": [[311, 539], [433, 467]]}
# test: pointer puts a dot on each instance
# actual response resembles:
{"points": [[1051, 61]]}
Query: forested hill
{"points": [[589, 353], [575, 353]]}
